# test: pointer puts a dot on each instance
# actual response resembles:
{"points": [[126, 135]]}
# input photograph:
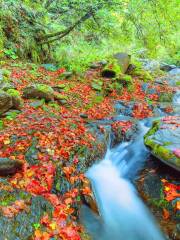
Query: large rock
{"points": [[16, 98], [23, 224], [118, 65], [6, 85], [5, 102], [40, 91], [123, 60], [163, 140], [8, 166]]}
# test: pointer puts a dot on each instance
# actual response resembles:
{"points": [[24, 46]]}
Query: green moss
{"points": [[166, 97], [97, 85], [142, 74], [178, 83], [126, 78], [54, 105], [1, 125], [6, 73], [154, 128], [13, 92], [112, 70], [61, 97], [44, 88]]}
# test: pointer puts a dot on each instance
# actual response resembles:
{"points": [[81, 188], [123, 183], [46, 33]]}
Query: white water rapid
{"points": [[123, 215]]}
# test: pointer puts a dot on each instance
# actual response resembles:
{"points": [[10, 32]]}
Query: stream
{"points": [[122, 213]]}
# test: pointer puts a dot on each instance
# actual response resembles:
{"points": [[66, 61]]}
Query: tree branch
{"points": [[62, 34]]}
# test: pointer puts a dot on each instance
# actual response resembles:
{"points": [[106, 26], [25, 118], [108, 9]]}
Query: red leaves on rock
{"points": [[171, 190], [124, 125], [141, 110], [14, 209], [35, 179]]}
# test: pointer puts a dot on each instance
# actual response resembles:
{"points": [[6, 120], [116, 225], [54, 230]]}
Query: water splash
{"points": [[123, 215]]}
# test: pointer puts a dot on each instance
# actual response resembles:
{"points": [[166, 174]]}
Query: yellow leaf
{"points": [[53, 225], [166, 189], [7, 141]]}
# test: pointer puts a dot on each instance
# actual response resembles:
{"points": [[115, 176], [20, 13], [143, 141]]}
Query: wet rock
{"points": [[123, 130], [166, 67], [175, 71], [163, 140], [131, 69], [22, 225], [150, 65], [5, 102], [151, 189], [31, 155], [8, 166], [152, 186], [40, 91], [123, 60], [49, 67]]}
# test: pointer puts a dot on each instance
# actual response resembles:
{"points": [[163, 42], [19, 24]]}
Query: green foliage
{"points": [[13, 92], [11, 115], [1, 124], [97, 85], [97, 29], [10, 53]]}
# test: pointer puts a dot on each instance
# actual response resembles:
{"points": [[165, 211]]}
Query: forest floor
{"points": [[55, 144]]}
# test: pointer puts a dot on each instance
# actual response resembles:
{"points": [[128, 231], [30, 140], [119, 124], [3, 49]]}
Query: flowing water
{"points": [[123, 215]]}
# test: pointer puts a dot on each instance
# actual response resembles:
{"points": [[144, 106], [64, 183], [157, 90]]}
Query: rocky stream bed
{"points": [[54, 126]]}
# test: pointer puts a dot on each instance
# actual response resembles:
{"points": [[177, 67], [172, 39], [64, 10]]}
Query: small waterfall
{"points": [[123, 215]]}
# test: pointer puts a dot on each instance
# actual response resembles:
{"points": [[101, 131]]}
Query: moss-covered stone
{"points": [[166, 97], [40, 91], [8, 166], [22, 225], [5, 102], [112, 69], [156, 140], [13, 92], [142, 74], [16, 98]]}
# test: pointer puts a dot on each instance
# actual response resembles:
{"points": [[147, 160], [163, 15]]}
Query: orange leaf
{"points": [[166, 214]]}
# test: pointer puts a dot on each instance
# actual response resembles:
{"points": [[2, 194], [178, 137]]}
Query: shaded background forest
{"points": [[75, 33]]}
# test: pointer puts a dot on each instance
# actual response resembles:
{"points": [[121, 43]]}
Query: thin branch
{"points": [[62, 34]]}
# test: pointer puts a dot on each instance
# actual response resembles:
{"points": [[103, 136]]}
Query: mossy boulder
{"points": [[16, 98], [23, 224], [40, 91], [123, 60], [59, 87], [118, 63], [8, 166], [5, 102], [163, 140], [141, 74]]}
